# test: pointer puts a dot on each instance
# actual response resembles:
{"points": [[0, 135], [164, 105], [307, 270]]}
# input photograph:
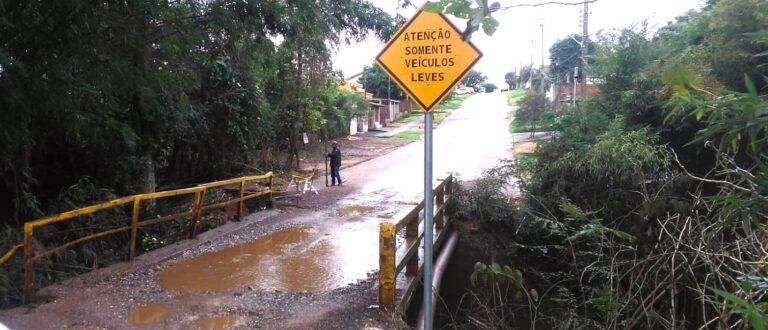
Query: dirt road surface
{"points": [[306, 267]]}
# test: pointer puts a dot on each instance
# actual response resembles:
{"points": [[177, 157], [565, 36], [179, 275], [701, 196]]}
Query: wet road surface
{"points": [[291, 270], [333, 253]]}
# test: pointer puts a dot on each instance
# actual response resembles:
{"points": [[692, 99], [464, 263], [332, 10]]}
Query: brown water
{"points": [[85, 327], [291, 260], [147, 313], [220, 322]]}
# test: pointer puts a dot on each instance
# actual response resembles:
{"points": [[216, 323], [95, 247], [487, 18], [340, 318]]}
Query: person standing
{"points": [[335, 156]]}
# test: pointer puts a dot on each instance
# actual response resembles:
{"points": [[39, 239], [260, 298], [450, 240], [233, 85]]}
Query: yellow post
{"points": [[28, 271], [387, 266], [134, 227], [198, 207], [271, 202], [240, 207]]}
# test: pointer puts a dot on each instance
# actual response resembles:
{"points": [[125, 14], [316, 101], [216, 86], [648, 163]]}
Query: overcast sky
{"points": [[518, 37]]}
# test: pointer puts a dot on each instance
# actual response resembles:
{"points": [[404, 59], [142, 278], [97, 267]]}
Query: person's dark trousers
{"points": [[335, 175]]}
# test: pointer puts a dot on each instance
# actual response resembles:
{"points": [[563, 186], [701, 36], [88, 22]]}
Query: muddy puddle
{"points": [[220, 322], [291, 260], [147, 313]]}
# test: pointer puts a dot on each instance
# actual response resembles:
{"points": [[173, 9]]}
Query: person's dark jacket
{"points": [[335, 156]]}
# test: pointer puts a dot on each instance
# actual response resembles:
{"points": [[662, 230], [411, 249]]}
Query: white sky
{"points": [[519, 34]]}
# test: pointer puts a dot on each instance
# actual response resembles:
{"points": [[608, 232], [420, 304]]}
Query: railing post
{"points": [[270, 202], [240, 205], [28, 271], [387, 266], [134, 227], [198, 207], [447, 197], [440, 201], [412, 237]]}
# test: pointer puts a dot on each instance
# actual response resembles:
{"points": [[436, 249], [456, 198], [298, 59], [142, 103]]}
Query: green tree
{"points": [[511, 79], [489, 87], [377, 82], [532, 106], [565, 55], [722, 33], [474, 78]]}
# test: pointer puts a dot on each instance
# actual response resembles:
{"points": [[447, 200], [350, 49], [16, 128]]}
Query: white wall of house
{"points": [[353, 126], [362, 125], [394, 109]]}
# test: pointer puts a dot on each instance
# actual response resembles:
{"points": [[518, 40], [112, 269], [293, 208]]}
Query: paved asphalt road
{"points": [[471, 140]]}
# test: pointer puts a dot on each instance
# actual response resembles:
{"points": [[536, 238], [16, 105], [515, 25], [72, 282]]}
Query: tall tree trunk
{"points": [[296, 138], [148, 182]]}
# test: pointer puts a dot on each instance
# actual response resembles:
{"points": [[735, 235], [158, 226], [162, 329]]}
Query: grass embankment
{"points": [[453, 102], [514, 96], [514, 128], [513, 99], [408, 135], [524, 151]]}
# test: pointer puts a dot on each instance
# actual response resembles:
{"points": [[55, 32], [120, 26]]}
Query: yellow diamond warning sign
{"points": [[428, 58]]}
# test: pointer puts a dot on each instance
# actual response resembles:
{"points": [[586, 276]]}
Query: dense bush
{"points": [[648, 209]]}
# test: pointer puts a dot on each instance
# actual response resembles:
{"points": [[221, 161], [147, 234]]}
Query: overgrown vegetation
{"points": [[514, 96], [649, 208], [106, 99], [534, 113], [453, 102]]}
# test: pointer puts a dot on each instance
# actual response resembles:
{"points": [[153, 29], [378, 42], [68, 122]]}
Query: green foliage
{"points": [[474, 78], [530, 113], [453, 102], [489, 87], [478, 16], [720, 30], [495, 274], [565, 55], [514, 96], [376, 81], [353, 104], [408, 135], [753, 313], [648, 179], [526, 163], [105, 98], [486, 200], [511, 79]]}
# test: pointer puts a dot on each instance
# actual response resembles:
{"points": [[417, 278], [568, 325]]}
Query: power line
{"points": [[548, 3]]}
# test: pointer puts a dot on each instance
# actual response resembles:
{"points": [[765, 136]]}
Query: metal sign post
{"points": [[428, 220], [428, 58]]}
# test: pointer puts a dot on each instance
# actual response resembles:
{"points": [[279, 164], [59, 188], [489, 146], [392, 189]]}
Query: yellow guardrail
{"points": [[393, 259], [196, 210]]}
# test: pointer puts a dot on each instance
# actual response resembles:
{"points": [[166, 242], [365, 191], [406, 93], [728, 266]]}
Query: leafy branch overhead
{"points": [[478, 16]]}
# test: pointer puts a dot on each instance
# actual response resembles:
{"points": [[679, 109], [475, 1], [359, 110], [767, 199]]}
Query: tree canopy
{"points": [[474, 78], [139, 94]]}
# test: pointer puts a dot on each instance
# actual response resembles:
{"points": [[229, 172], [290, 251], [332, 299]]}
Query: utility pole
{"points": [[541, 88], [584, 44], [530, 72]]}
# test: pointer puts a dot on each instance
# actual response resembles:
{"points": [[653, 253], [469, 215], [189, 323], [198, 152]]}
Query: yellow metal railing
{"points": [[196, 210], [393, 259]]}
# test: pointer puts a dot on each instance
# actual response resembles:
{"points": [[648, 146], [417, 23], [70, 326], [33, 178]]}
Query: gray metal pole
{"points": [[584, 51], [428, 210]]}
